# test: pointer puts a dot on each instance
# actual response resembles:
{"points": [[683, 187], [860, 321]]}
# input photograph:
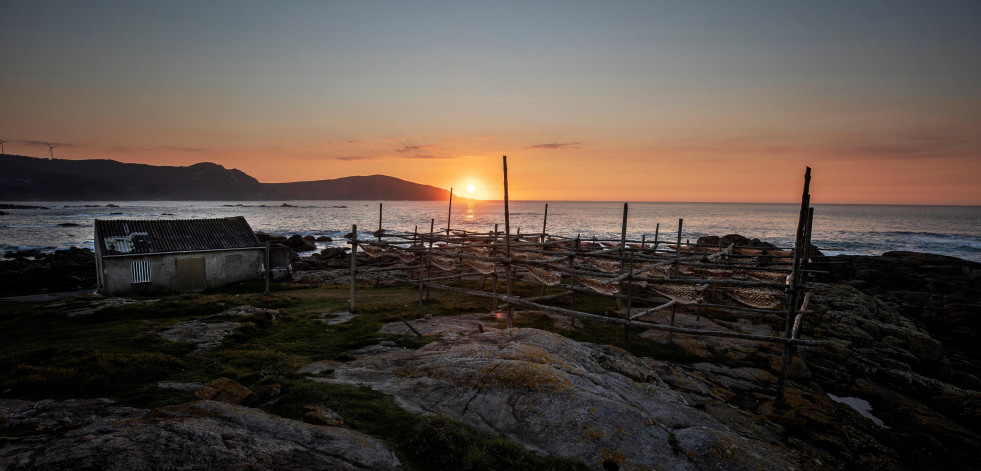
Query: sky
{"points": [[605, 100]]}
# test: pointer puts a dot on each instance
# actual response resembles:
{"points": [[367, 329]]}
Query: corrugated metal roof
{"points": [[130, 236]]}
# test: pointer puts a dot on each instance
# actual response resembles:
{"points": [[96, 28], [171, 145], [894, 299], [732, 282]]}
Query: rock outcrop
{"points": [[99, 435], [560, 397], [35, 272]]}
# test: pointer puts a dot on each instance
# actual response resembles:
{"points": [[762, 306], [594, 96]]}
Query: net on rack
{"points": [[371, 250], [548, 277], [682, 293], [603, 265], [485, 268], [759, 298], [443, 263]]}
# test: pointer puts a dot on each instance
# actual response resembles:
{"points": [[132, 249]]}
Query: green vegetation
{"points": [[67, 350]]}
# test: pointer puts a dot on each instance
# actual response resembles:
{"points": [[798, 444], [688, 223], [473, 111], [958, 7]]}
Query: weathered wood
{"points": [[677, 254], [544, 222], [449, 212], [407, 324], [610, 320], [268, 269], [354, 265], [507, 243]]}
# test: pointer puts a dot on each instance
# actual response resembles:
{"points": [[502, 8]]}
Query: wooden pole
{"points": [[449, 212], [623, 230], [544, 223], [677, 252], [268, 270], [379, 222], [354, 257], [623, 247], [507, 244], [657, 228], [793, 289]]}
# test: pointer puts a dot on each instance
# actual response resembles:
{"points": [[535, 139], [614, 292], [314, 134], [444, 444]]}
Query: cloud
{"points": [[428, 156], [46, 143], [348, 158], [405, 149], [557, 145]]}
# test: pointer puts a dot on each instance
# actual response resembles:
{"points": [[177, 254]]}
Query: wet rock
{"points": [[299, 244], [324, 239], [318, 415], [62, 270], [224, 390]]}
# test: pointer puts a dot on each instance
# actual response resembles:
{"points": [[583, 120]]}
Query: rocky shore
{"points": [[898, 389], [32, 271]]}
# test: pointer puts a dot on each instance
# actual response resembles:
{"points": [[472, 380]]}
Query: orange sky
{"points": [[648, 102]]}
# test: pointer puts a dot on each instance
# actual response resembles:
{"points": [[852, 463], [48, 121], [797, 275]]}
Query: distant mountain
{"points": [[379, 187], [30, 178]]}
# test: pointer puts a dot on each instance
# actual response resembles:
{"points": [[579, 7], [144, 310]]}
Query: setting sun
{"points": [[471, 189]]}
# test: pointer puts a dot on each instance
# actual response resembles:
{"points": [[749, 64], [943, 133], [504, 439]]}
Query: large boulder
{"points": [[99, 435], [299, 244], [560, 397]]}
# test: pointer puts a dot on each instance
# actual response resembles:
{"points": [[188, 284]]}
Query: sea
{"points": [[838, 229]]}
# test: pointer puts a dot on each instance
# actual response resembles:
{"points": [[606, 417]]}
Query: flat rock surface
{"points": [[560, 397], [203, 334], [204, 435], [446, 327]]}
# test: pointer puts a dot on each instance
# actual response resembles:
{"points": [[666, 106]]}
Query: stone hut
{"points": [[149, 257]]}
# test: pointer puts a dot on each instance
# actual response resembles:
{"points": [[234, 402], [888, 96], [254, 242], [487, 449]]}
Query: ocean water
{"points": [[838, 229]]}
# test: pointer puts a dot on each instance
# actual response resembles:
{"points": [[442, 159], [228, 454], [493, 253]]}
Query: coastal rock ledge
{"points": [[100, 435], [556, 396]]}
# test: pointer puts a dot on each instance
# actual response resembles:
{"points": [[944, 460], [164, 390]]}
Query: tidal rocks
{"points": [[99, 435], [62, 270], [939, 293]]}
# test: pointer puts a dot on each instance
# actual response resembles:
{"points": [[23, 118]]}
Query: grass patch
{"points": [[421, 442]]}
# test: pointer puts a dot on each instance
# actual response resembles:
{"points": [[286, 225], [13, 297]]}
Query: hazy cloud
{"points": [[46, 143], [428, 156], [557, 145], [405, 149]]}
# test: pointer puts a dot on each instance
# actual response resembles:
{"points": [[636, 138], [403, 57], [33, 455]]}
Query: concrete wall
{"points": [[221, 268]]}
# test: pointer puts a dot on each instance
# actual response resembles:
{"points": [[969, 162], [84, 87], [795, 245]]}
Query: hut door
{"points": [[190, 274]]}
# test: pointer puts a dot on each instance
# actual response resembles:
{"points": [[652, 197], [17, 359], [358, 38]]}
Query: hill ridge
{"points": [[32, 178]]}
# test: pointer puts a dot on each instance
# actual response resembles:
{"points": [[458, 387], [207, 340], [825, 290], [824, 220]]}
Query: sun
{"points": [[471, 189]]}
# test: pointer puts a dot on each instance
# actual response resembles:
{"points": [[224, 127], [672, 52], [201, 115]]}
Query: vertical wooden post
{"points": [[643, 241], [507, 244], [544, 224], [793, 290], [268, 270], [677, 252], [379, 222], [628, 291], [449, 212], [623, 230], [422, 272], [623, 247], [354, 257], [657, 228]]}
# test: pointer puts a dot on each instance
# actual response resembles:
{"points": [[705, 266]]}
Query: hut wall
{"points": [[220, 268]]}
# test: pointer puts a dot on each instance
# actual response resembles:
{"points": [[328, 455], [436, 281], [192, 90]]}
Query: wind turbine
{"points": [[51, 150], [1, 147]]}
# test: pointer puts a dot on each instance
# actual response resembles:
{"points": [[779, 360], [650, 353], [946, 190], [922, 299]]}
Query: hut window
{"points": [[141, 271]]}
